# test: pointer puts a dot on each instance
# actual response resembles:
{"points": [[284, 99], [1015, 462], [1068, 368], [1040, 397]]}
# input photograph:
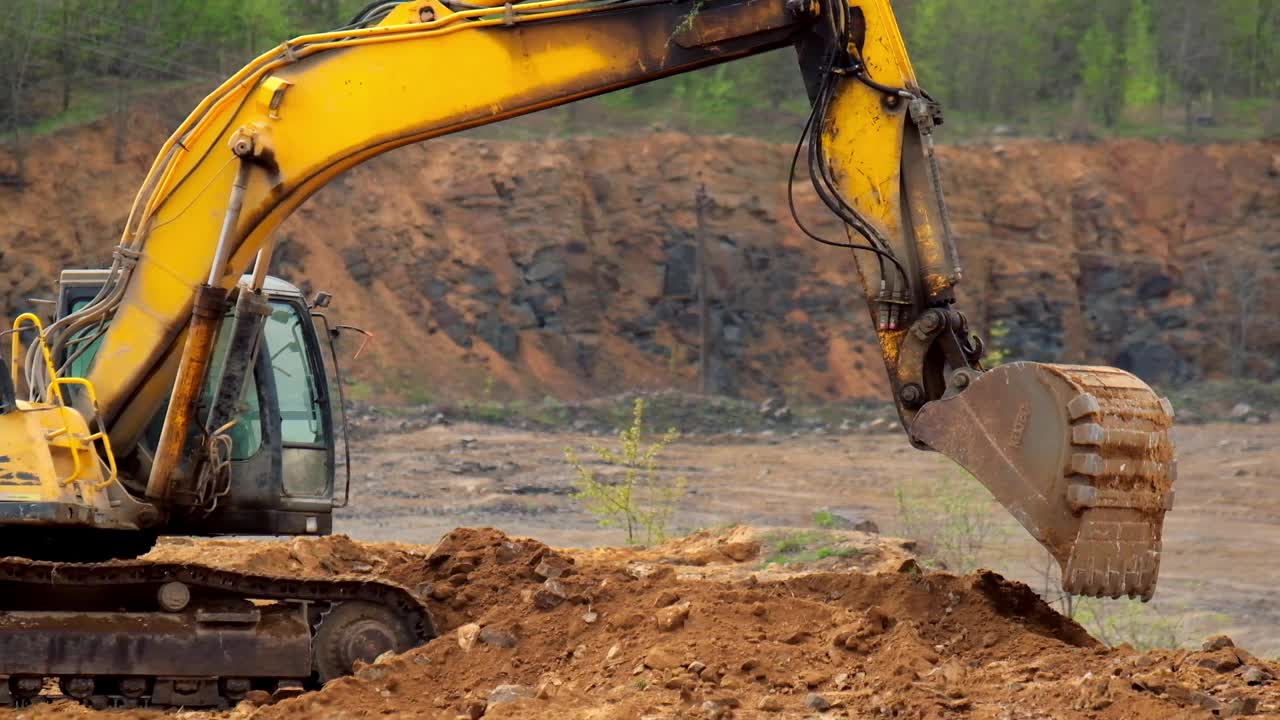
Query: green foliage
{"points": [[824, 519], [1101, 85], [1141, 70], [1142, 67], [1139, 624], [996, 349], [805, 546], [952, 517], [642, 501]]}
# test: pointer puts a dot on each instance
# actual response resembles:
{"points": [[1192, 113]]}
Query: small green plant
{"points": [[952, 517], [997, 352], [805, 546], [824, 553], [824, 519], [643, 501], [1115, 622]]}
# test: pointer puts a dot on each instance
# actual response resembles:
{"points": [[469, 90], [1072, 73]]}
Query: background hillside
{"points": [[1135, 224], [566, 267]]}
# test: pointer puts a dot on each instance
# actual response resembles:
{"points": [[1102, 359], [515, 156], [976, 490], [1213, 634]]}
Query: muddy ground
{"points": [[1222, 540]]}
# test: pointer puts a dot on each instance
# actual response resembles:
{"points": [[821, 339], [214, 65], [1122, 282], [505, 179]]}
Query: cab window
{"points": [[301, 422]]}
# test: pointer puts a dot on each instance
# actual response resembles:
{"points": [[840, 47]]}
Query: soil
{"points": [[678, 631], [865, 629], [1220, 540]]}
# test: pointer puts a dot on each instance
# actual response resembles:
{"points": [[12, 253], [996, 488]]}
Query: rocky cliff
{"points": [[568, 267]]}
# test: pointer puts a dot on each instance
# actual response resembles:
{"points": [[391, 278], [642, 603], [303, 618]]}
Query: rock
{"points": [[1240, 411], [553, 566], [814, 701], [371, 673], [1205, 700], [661, 657], [507, 553], [740, 551], [258, 698], [510, 693], [1218, 642], [550, 595], [666, 598], [385, 658], [475, 708], [696, 667], [612, 655], [1220, 661], [676, 683], [673, 618], [467, 636], [1240, 706], [1254, 675], [712, 710], [497, 638], [770, 703], [590, 616]]}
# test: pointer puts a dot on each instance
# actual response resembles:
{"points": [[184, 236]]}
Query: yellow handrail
{"points": [[16, 349], [99, 436], [75, 443]]}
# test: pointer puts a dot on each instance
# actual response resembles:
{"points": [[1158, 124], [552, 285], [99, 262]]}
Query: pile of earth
{"points": [[699, 629]]}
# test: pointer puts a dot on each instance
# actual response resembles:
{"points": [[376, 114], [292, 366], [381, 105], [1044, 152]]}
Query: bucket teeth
{"points": [[1117, 553], [1082, 458]]}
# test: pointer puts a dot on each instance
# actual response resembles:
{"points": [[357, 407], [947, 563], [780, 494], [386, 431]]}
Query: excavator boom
{"points": [[1081, 456]]}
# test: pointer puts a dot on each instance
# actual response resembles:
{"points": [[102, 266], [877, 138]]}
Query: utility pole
{"points": [[704, 314]]}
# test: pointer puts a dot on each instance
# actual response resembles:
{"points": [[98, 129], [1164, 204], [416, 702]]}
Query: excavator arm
{"points": [[1081, 456]]}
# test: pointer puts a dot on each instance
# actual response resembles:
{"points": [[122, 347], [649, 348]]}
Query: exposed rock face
{"points": [[569, 267]]}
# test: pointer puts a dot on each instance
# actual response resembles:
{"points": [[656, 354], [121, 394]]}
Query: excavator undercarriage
{"points": [[132, 633]]}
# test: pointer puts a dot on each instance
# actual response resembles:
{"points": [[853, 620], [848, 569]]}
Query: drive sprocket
{"points": [[356, 631]]}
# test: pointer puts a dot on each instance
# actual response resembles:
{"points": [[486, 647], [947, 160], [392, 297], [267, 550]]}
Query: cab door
{"points": [[302, 395]]}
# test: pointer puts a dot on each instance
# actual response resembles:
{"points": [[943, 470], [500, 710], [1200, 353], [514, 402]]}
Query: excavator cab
{"points": [[281, 444]]}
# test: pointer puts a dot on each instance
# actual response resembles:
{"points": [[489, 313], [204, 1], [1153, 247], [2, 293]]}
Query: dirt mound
{"points": [[533, 632], [601, 634]]}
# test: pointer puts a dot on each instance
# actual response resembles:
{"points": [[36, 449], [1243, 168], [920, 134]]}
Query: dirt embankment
{"points": [[686, 631], [567, 267]]}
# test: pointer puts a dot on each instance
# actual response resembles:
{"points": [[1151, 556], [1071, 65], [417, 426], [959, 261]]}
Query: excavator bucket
{"points": [[1080, 455]]}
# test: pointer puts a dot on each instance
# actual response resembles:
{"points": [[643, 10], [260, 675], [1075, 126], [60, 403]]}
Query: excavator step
{"points": [[1081, 456]]}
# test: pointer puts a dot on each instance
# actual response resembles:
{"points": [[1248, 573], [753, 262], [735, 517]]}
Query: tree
{"points": [[1102, 72], [1141, 71], [18, 55]]}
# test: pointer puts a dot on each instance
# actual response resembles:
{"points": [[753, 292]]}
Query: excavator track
{"points": [[141, 633]]}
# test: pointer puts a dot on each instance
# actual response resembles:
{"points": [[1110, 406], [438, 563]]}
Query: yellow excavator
{"points": [[183, 391]]}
